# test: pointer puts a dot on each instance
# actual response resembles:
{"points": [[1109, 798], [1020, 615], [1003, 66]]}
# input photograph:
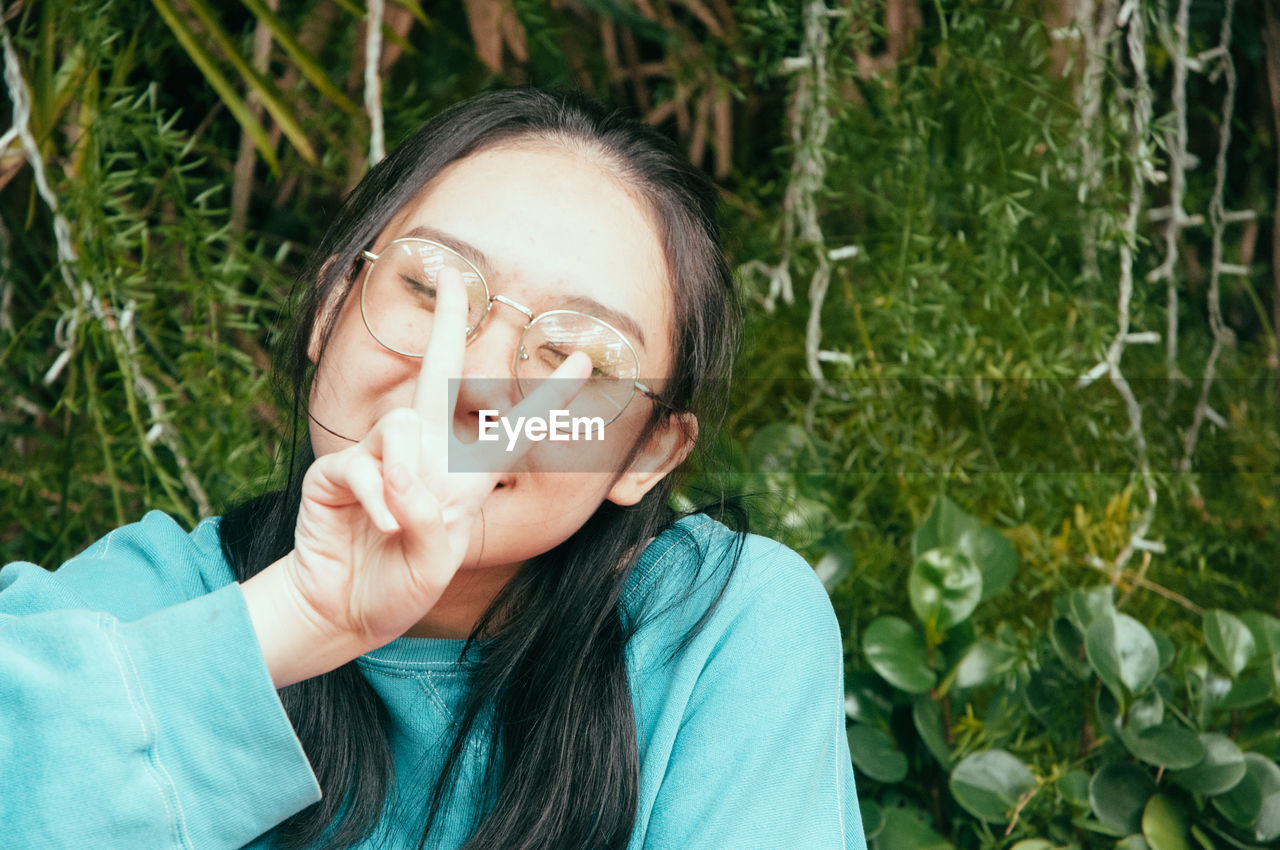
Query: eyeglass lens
{"points": [[398, 302]]}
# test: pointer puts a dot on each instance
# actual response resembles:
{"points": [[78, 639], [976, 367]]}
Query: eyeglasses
{"points": [[398, 299]]}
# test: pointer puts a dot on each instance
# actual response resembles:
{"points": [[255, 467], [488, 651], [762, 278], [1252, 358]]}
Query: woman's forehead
{"points": [[547, 223]]}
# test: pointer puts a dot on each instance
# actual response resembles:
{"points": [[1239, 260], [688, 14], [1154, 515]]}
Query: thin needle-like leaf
{"points": [[124, 63], [354, 10], [415, 8], [235, 104], [264, 88], [388, 34], [302, 57]]}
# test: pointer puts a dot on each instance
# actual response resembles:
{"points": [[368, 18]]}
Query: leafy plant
{"points": [[1077, 729], [972, 233]]}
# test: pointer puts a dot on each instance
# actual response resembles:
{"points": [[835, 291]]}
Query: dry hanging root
{"points": [[86, 304], [1098, 27]]}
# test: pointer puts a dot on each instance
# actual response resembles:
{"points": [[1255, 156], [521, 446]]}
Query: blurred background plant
{"points": [[1013, 291]]}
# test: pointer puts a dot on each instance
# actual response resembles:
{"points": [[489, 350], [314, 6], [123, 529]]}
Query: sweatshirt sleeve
{"points": [[135, 706], [761, 758]]}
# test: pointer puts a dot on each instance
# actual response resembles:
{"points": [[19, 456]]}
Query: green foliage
{"points": [[1092, 731], [961, 495], [177, 302]]}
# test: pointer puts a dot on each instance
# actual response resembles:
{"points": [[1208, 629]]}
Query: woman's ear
{"points": [[324, 313], [666, 448]]}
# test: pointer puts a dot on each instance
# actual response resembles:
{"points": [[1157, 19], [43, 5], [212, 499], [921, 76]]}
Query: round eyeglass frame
{"points": [[530, 316]]}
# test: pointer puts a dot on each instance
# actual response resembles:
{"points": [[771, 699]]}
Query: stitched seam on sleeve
{"points": [[146, 720], [678, 546], [836, 775], [106, 544]]}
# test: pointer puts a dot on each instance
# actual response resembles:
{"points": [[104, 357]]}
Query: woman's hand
{"points": [[383, 526]]}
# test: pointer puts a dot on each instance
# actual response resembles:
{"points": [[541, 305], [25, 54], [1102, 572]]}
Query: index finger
{"points": [[436, 396], [552, 393]]}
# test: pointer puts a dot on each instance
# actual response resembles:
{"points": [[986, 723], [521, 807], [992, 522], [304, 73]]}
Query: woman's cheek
{"points": [[351, 398]]}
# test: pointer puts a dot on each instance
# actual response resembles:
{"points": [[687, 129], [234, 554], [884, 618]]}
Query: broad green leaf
{"points": [[1222, 767], [1206, 687], [996, 558], [875, 755], [1118, 793], [1267, 774], [1074, 787], [1133, 842], [905, 829], [872, 818], [990, 551], [226, 92], [946, 525], [1122, 652], [867, 698], [944, 587], [1166, 746], [1264, 742], [988, 784], [1107, 709], [1051, 693], [981, 664], [1097, 827], [805, 521], [836, 561], [1164, 646], [1254, 803], [927, 717], [1229, 639], [1033, 844], [895, 649], [1163, 825], [1245, 693], [1266, 639], [1243, 803], [1146, 711], [1265, 630], [782, 447], [1068, 643], [1206, 843], [1088, 604]]}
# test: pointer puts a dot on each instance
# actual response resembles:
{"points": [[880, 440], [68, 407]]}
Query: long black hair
{"points": [[569, 764]]}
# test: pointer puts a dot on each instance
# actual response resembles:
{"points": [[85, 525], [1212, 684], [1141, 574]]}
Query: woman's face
{"points": [[550, 229]]}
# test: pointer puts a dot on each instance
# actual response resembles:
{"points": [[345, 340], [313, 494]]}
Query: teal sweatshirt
{"points": [[136, 710]]}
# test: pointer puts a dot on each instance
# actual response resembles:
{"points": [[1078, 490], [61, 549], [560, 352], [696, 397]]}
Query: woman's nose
{"points": [[488, 373]]}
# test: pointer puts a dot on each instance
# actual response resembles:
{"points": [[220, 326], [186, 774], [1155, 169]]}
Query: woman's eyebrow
{"points": [[592, 307], [468, 251], [582, 303]]}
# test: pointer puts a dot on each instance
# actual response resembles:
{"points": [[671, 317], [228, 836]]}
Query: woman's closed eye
{"points": [[422, 292], [553, 356]]}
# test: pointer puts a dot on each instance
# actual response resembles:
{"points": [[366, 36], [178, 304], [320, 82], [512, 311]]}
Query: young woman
{"points": [[386, 653]]}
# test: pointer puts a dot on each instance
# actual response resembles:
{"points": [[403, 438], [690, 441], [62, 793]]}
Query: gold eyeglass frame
{"points": [[530, 316]]}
